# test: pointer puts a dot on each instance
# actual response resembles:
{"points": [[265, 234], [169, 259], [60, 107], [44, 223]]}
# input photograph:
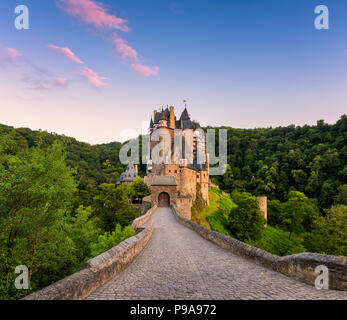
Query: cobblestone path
{"points": [[179, 264]]}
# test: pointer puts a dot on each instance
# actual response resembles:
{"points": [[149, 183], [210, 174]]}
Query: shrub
{"points": [[110, 240], [245, 221], [329, 233]]}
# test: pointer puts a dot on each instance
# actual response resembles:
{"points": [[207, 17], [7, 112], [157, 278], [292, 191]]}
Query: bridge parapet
{"points": [[140, 221], [298, 266]]}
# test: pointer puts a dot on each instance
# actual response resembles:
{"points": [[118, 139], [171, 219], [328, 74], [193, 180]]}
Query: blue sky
{"points": [[249, 63]]}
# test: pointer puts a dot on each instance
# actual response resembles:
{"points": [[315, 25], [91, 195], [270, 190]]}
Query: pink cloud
{"points": [[65, 52], [94, 13], [122, 47], [97, 15], [145, 71], [96, 80], [60, 82], [12, 55]]}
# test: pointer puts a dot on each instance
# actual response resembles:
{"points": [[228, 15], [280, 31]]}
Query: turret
{"points": [[162, 120], [262, 200], [151, 126], [172, 123], [185, 121]]}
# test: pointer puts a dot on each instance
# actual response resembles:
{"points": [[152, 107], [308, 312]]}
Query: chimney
{"points": [[154, 114], [172, 123]]}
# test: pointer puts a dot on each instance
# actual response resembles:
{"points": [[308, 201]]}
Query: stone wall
{"points": [[99, 270], [262, 200], [140, 221], [184, 206], [298, 266], [170, 190]]}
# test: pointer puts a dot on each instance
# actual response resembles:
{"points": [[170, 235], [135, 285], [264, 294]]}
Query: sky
{"points": [[96, 70]]}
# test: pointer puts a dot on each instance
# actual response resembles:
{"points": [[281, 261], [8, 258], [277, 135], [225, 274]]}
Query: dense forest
{"points": [[303, 172], [59, 205], [275, 161], [93, 164]]}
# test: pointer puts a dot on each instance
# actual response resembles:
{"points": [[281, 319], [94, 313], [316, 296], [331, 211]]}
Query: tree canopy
{"points": [[275, 161]]}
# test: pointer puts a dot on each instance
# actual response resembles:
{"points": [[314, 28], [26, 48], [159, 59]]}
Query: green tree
{"points": [[329, 234], [36, 188], [199, 203], [275, 212], [140, 189], [109, 240], [83, 230], [228, 179], [328, 193], [299, 213], [341, 197], [246, 222], [111, 206]]}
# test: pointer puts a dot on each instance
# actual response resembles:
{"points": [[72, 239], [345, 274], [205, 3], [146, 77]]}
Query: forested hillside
{"points": [[58, 205], [303, 172], [94, 164], [274, 161]]}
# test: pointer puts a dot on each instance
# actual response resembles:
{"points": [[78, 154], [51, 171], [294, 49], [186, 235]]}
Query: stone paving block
{"points": [[179, 264]]}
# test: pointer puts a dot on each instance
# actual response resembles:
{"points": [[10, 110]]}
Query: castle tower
{"points": [[186, 168], [172, 123], [263, 206], [154, 115]]}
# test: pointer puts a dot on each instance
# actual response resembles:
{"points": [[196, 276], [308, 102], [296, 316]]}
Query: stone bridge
{"points": [[177, 263]]}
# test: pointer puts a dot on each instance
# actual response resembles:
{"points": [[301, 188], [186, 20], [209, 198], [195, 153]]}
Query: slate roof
{"points": [[128, 175], [183, 123], [185, 115], [164, 181]]}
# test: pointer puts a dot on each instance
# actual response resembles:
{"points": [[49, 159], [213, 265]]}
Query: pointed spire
{"points": [[185, 115]]}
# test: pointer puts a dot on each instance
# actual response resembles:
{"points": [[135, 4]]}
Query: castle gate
{"points": [[163, 200]]}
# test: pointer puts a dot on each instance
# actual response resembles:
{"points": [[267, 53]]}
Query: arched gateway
{"points": [[163, 200], [164, 191]]}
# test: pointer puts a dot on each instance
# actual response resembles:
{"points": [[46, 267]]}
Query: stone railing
{"points": [[140, 221], [298, 266], [101, 269]]}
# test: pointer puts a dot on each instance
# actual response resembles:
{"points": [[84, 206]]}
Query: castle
{"points": [[178, 165]]}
